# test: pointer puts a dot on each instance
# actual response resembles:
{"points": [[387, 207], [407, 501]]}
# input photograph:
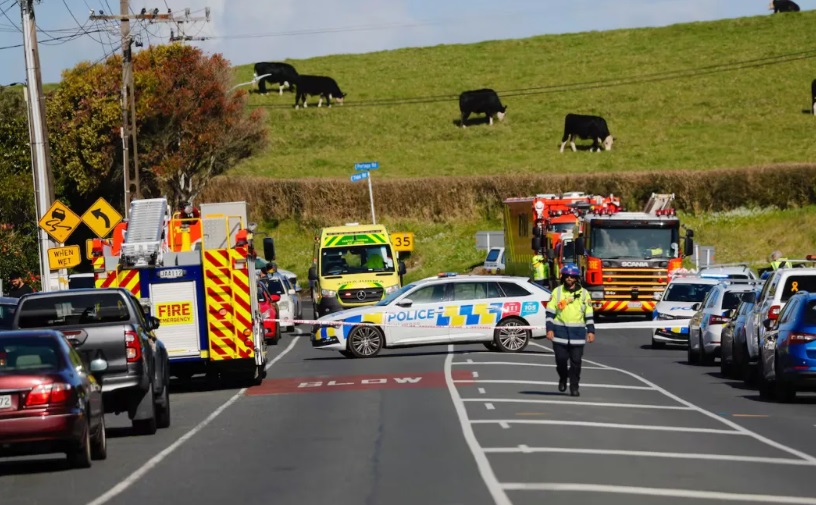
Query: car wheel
{"points": [[163, 412], [347, 354], [692, 355], [785, 391], [99, 443], [705, 358], [490, 346], [147, 426], [726, 368], [767, 389], [365, 342], [80, 455], [508, 338], [657, 345]]}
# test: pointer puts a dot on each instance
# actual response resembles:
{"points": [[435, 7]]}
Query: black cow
{"points": [[481, 101], [282, 74], [813, 95], [325, 87], [783, 6], [586, 127]]}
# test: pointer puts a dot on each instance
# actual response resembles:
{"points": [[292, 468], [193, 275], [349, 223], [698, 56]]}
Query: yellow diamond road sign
{"points": [[59, 222], [64, 257], [101, 218]]}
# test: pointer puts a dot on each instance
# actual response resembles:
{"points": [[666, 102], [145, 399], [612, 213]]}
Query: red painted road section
{"points": [[355, 383]]}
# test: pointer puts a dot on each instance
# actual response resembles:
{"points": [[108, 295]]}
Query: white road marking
{"points": [[591, 424], [470, 361], [523, 364], [158, 458], [475, 374], [727, 422], [650, 454], [586, 404], [489, 406], [653, 491], [546, 383], [481, 391], [504, 425], [485, 470]]}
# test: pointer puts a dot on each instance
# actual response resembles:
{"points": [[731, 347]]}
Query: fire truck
{"points": [[197, 276], [627, 257]]}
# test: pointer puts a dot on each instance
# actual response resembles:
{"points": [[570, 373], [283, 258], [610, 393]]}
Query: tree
{"points": [[190, 127]]}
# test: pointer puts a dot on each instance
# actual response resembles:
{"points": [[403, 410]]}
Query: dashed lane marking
{"points": [[489, 406], [481, 391], [475, 374], [586, 404], [591, 424]]}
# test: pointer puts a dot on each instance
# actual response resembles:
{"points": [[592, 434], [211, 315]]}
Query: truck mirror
{"points": [[579, 246], [312, 273], [402, 268], [688, 246], [536, 243], [269, 248]]}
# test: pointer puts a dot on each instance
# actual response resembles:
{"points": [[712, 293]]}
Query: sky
{"points": [[248, 31]]}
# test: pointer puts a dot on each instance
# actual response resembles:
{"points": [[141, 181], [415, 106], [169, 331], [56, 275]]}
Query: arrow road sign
{"points": [[368, 165], [101, 218], [359, 177]]}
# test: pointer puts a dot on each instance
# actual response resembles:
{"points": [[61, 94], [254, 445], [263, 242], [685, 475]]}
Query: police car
{"points": [[494, 310], [676, 302]]}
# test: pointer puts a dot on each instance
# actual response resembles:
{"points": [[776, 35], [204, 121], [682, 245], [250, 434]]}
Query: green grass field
{"points": [[695, 96]]}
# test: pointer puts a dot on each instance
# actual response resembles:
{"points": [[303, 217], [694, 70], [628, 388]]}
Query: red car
{"points": [[268, 305], [49, 400]]}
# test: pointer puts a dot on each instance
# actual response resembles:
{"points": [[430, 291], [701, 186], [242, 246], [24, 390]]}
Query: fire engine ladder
{"points": [[143, 239], [658, 201]]}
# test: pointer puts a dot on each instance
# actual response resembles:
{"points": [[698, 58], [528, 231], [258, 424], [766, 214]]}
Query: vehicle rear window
{"points": [[85, 309], [513, 289], [275, 287], [810, 313], [694, 293], [796, 283], [32, 354], [731, 300], [492, 255]]}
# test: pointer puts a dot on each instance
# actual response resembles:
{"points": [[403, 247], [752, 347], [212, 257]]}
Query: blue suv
{"points": [[788, 352]]}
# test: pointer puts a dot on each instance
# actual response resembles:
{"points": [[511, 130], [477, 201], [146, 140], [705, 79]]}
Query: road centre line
{"points": [[591, 424], [728, 422], [585, 404], [663, 492], [522, 364], [547, 383], [158, 458], [523, 449]]}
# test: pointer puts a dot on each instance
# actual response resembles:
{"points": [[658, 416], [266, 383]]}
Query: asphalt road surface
{"points": [[452, 425]]}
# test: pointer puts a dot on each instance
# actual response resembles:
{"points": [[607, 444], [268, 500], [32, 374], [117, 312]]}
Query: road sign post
{"points": [[366, 168]]}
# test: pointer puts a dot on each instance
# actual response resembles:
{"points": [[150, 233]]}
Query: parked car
{"points": [[440, 310], [50, 400], [735, 272], [289, 305], [292, 278], [733, 360], [787, 362], [494, 262], [778, 288], [268, 306], [110, 324], [7, 308], [705, 327], [675, 303]]}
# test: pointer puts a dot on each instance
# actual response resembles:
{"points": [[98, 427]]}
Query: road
{"points": [[452, 425]]}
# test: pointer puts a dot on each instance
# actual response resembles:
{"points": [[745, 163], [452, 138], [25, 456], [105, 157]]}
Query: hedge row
{"points": [[325, 201]]}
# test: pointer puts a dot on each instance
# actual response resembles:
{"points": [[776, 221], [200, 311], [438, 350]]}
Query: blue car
{"points": [[788, 352]]}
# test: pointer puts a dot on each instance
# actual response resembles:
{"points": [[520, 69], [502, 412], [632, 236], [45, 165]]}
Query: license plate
{"points": [[5, 402], [635, 305]]}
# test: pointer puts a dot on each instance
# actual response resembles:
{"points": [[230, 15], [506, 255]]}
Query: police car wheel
{"points": [[507, 338], [365, 342]]}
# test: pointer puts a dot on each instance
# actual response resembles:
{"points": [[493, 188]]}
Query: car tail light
{"points": [[133, 346], [800, 338], [48, 394], [715, 319], [773, 312]]}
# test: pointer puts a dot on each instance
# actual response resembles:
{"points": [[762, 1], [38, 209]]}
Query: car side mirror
{"points": [[696, 306], [291, 291], [154, 323], [312, 273], [98, 365], [401, 268], [732, 313], [768, 324], [275, 298], [657, 296], [405, 302]]}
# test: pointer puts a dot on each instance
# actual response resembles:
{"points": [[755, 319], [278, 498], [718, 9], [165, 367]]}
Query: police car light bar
{"points": [[446, 274]]}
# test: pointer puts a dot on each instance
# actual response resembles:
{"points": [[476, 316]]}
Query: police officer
{"points": [[541, 270], [570, 325], [777, 260]]}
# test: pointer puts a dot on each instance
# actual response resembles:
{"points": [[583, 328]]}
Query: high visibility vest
{"points": [[778, 263], [571, 308], [539, 268]]}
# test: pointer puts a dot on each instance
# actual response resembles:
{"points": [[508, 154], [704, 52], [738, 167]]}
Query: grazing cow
{"points": [[813, 95], [783, 6], [325, 87], [586, 127], [481, 101], [282, 74]]}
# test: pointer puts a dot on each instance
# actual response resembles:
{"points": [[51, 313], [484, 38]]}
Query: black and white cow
{"points": [[325, 87], [586, 127], [783, 6], [282, 74], [481, 101], [813, 95]]}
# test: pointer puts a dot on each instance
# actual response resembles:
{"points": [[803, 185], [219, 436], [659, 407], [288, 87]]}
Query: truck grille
{"points": [[360, 295], [619, 282]]}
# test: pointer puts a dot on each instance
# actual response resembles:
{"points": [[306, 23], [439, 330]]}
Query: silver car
{"points": [[705, 327], [676, 303]]}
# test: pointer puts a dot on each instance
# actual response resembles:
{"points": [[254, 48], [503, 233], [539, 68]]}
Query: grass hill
{"points": [[696, 96]]}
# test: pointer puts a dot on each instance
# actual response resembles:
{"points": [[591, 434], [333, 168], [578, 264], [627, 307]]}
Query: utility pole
{"points": [[128, 104], [38, 133]]}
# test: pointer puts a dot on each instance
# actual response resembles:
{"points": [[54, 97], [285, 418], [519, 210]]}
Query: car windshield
{"points": [[356, 259], [620, 242], [562, 227], [492, 255], [6, 315], [29, 355], [693, 293], [77, 309], [394, 295]]}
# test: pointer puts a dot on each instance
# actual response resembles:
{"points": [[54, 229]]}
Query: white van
{"points": [[494, 263]]}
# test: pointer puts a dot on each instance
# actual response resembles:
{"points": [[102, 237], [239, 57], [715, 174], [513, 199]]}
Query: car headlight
{"points": [[283, 305], [663, 317], [391, 289], [328, 293]]}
